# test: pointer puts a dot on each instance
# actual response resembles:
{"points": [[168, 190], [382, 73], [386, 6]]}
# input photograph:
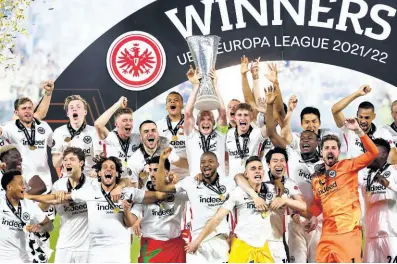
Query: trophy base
{"points": [[208, 104]]}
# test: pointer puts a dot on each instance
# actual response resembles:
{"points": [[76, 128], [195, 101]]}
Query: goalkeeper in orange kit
{"points": [[335, 189]]}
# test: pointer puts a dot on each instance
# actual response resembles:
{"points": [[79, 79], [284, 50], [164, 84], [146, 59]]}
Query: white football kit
{"points": [[205, 200], [34, 158], [85, 138], [392, 129], [109, 238], [13, 240], [197, 143], [240, 150], [123, 150], [381, 215]]}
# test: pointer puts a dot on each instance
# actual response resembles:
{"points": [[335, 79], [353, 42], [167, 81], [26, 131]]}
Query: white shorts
{"points": [[302, 245], [70, 256], [277, 250], [214, 250], [108, 254], [380, 249]]}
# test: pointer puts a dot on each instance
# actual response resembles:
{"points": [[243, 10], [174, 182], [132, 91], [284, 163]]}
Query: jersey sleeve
{"points": [[6, 131], [393, 180], [295, 141], [82, 195], [58, 141], [96, 145], [182, 196], [258, 137], [230, 200], [361, 176], [38, 215], [365, 159], [293, 188], [386, 135], [135, 169], [181, 186], [137, 210]]}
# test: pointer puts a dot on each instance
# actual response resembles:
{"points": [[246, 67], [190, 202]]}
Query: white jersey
{"points": [[253, 147], [179, 144], [392, 129], [106, 228], [380, 203], [162, 220], [352, 145], [194, 149], [113, 148], [34, 162], [277, 218], [205, 202], [136, 163], [250, 227], [73, 232], [87, 140], [12, 237]]}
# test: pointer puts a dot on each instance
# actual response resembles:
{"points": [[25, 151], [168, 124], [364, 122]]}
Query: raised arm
{"points": [[100, 123], [342, 104], [194, 77], [222, 118], [248, 95], [42, 109], [272, 76], [286, 131], [160, 174]]}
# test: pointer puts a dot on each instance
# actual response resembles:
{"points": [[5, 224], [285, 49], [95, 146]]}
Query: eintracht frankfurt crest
{"points": [[136, 60]]}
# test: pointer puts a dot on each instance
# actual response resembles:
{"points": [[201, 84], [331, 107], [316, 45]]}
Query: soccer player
{"points": [[205, 198], [392, 129], [31, 137], [365, 116], [121, 142], [301, 166], [335, 190], [17, 217], [171, 127], [76, 133], [206, 137], [231, 112], [160, 224], [151, 146], [379, 186], [108, 220]]}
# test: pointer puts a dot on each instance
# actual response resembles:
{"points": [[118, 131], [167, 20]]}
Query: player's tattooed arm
{"points": [[342, 104], [208, 229], [242, 182], [100, 123], [194, 77]]}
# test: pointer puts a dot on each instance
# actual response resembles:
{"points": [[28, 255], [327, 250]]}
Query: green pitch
{"points": [[55, 234]]}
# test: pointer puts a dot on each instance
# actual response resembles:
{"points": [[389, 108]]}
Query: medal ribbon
{"points": [[216, 188], [73, 132], [174, 131], [107, 197], [30, 138], [393, 126], [246, 138], [78, 186], [206, 142], [125, 145], [15, 212], [146, 156]]}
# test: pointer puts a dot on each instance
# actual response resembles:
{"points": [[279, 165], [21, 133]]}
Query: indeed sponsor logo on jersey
{"points": [[305, 175], [165, 212], [212, 147], [12, 224], [75, 208], [235, 153], [211, 201], [37, 143], [107, 208], [376, 189], [87, 151], [326, 189], [178, 144]]}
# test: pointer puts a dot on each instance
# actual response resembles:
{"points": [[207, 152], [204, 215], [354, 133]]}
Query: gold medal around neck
{"points": [[67, 139], [175, 138], [124, 163], [222, 197], [32, 147], [116, 210], [265, 215], [242, 162], [161, 206], [142, 175]]}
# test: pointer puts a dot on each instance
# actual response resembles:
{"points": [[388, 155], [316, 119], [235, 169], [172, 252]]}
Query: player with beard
{"points": [[159, 227], [76, 133], [252, 229], [151, 146], [17, 217], [335, 190], [108, 220], [392, 129], [301, 165], [121, 142], [206, 137], [365, 116], [171, 127], [379, 185], [205, 198]]}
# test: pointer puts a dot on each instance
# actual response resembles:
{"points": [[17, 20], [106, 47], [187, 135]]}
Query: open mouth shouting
{"points": [[364, 126], [258, 177], [330, 157], [206, 128], [207, 171], [127, 129], [279, 171], [75, 116], [108, 175], [68, 170], [243, 125], [305, 147]]}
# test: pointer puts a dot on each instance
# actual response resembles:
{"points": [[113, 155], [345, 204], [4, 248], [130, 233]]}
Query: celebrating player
{"points": [[76, 133], [379, 186], [17, 217], [392, 129], [206, 137], [205, 198], [335, 189]]}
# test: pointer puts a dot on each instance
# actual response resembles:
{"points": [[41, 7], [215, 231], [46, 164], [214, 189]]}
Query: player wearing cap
{"points": [[205, 198], [253, 227], [379, 185], [206, 137], [76, 133], [335, 190], [160, 224], [121, 142], [151, 146], [17, 217]]}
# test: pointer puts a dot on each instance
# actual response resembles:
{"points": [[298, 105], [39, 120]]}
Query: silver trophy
{"points": [[204, 50]]}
